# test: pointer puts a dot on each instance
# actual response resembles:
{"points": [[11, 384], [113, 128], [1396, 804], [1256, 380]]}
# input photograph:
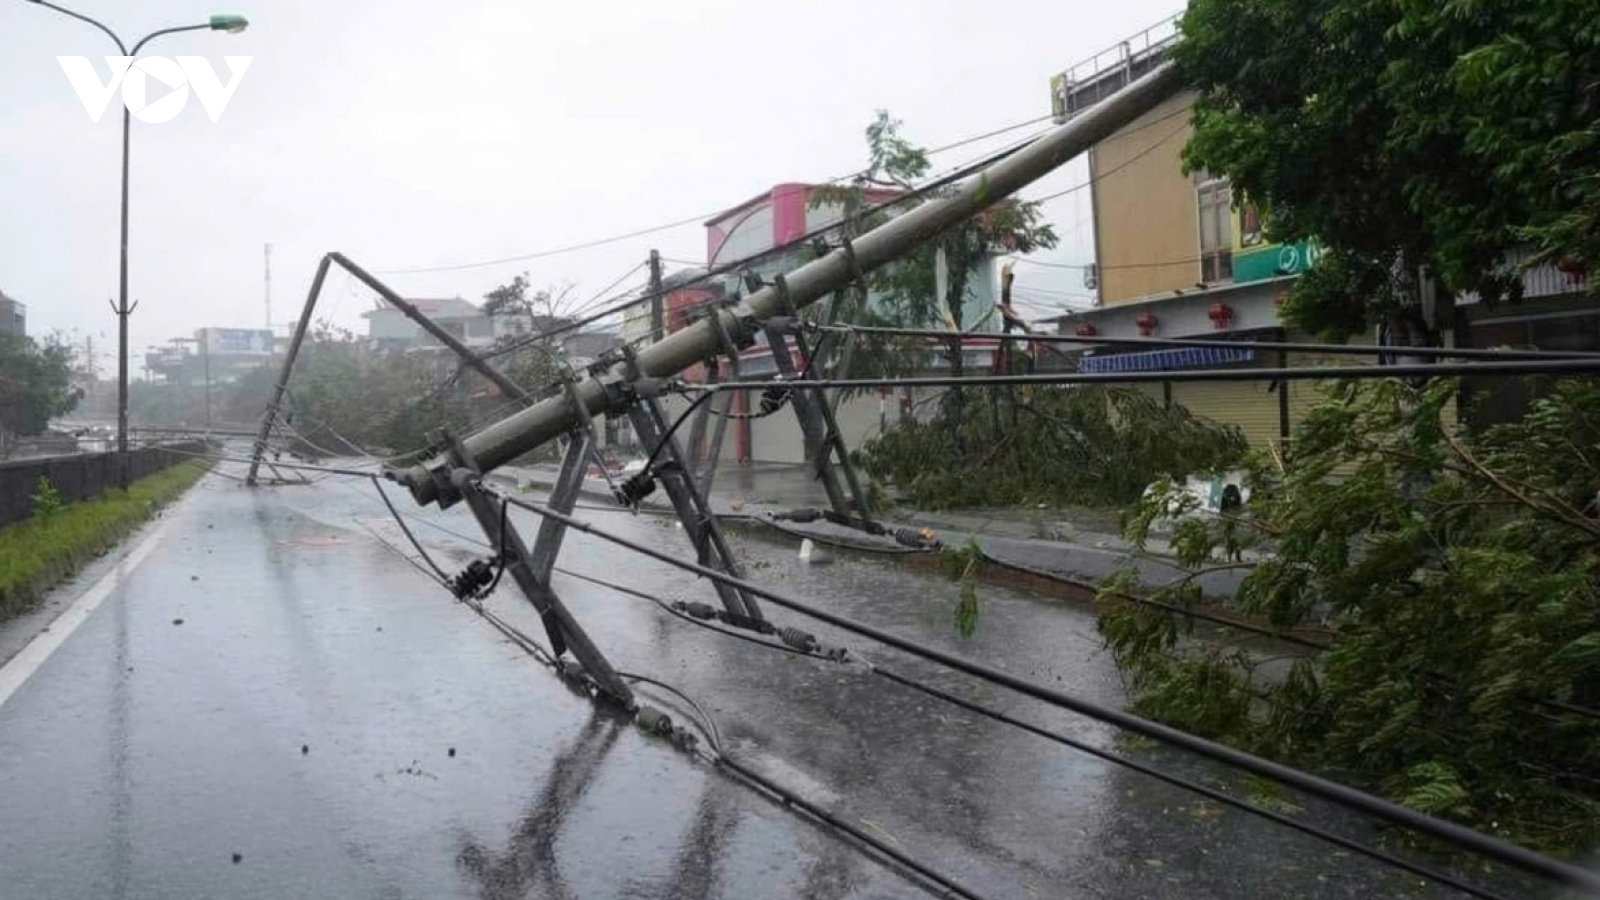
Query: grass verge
{"points": [[37, 554]]}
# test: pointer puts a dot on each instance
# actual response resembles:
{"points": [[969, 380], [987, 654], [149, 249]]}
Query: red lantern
{"points": [[1573, 269], [1086, 329], [1221, 315], [1147, 323], [1282, 298]]}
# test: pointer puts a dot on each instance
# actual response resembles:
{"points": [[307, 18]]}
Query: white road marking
{"points": [[27, 661]]}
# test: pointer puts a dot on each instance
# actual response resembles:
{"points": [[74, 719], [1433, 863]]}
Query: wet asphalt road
{"points": [[335, 720]]}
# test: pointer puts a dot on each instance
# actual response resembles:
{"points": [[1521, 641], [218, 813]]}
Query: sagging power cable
{"points": [[735, 265], [693, 220], [1210, 793], [707, 725], [1215, 344], [1343, 795], [719, 756], [1567, 366]]}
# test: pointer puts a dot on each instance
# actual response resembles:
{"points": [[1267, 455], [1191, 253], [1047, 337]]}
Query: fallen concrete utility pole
{"points": [[507, 387], [270, 417], [631, 379]]}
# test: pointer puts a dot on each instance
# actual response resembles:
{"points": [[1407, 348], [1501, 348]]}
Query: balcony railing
{"points": [[1103, 74]]}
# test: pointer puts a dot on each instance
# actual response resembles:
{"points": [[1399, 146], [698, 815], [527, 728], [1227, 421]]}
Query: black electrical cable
{"points": [[353, 473], [709, 725], [500, 556], [678, 613], [1133, 765], [638, 486], [714, 738], [1218, 344], [1293, 373], [793, 800], [742, 262], [1284, 636], [600, 242], [1382, 856], [402, 554], [1344, 795], [788, 798], [400, 520]]}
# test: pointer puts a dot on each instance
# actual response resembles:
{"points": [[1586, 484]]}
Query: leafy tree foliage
{"points": [[1456, 577], [508, 298], [1058, 446], [1403, 135], [344, 389], [907, 292], [35, 384]]}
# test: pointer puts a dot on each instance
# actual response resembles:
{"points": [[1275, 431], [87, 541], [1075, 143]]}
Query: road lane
{"points": [[144, 754], [303, 716]]}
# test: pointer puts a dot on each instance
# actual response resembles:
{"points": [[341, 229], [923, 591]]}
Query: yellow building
{"points": [[1181, 256], [1177, 256]]}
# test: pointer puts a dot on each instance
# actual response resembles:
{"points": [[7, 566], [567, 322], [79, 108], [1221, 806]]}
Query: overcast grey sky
{"points": [[410, 133]]}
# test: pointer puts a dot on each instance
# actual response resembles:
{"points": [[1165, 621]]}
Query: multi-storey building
{"points": [[13, 316], [1181, 255]]}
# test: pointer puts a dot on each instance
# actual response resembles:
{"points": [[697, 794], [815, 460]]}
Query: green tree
{"points": [[1402, 136], [1453, 580], [1091, 446], [907, 292], [35, 384]]}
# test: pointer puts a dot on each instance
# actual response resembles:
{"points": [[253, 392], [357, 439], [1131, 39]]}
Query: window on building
{"points": [[1216, 231]]}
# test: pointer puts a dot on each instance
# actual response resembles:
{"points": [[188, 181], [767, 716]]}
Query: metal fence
{"points": [[81, 476]]}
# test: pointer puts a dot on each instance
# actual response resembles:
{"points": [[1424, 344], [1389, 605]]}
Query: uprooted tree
{"points": [[1088, 445], [1452, 574], [1003, 446], [1456, 582]]}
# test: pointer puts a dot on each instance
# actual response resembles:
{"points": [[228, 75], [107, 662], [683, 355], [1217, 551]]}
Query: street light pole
{"points": [[229, 23], [205, 354]]}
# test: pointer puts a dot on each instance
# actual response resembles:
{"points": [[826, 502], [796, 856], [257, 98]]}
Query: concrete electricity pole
{"points": [[545, 421], [657, 323]]}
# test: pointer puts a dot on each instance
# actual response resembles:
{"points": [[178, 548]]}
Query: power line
{"points": [[735, 265], [1120, 166], [1343, 795], [1222, 344], [706, 724], [940, 182], [1194, 787], [1302, 373], [543, 254], [601, 242]]}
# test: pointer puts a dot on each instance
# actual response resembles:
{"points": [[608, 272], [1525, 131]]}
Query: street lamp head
{"points": [[230, 23]]}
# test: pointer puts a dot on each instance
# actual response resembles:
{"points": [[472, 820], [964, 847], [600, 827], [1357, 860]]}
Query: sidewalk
{"points": [[1079, 545]]}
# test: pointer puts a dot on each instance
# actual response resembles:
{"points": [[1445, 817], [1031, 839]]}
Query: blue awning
{"points": [[1163, 360]]}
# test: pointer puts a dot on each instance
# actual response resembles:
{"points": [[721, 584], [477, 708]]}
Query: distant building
{"points": [[391, 329], [13, 316], [221, 355]]}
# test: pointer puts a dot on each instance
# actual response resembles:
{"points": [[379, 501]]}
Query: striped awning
{"points": [[1163, 360]]}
